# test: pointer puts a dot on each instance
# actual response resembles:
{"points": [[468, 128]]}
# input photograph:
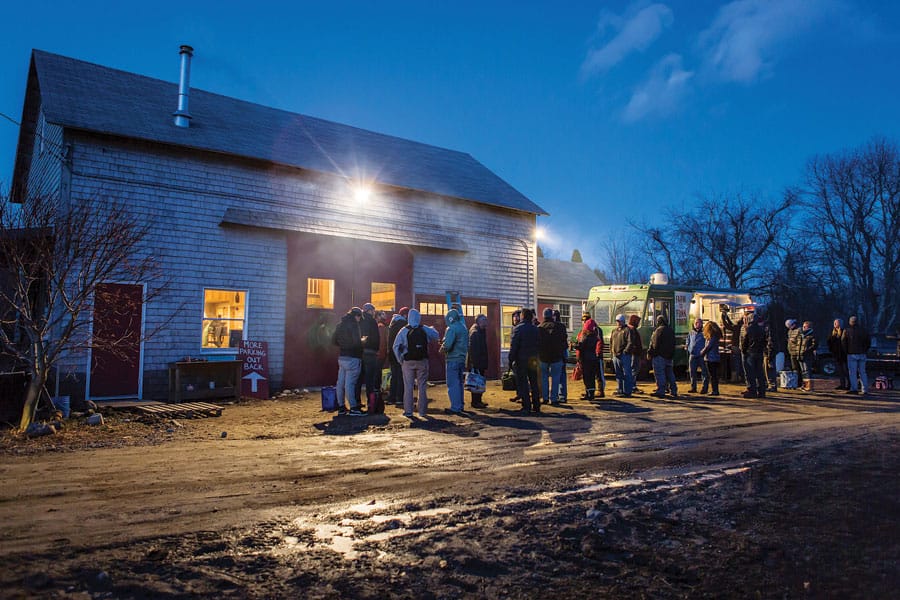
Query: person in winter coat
{"points": [[411, 350], [477, 358], [710, 353], [855, 341], [636, 350], [348, 338], [837, 353], [661, 352], [601, 376], [398, 322], [552, 343], [620, 349], [693, 346], [753, 349], [586, 344], [564, 376], [454, 347], [371, 374], [523, 355], [794, 344], [808, 347]]}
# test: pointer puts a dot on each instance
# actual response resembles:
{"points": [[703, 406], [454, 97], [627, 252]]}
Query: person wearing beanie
{"points": [[523, 354], [398, 322], [619, 348], [454, 347], [661, 352], [411, 350], [348, 338], [477, 357], [552, 343], [855, 341]]}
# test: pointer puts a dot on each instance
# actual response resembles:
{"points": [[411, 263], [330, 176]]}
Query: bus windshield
{"points": [[605, 311]]}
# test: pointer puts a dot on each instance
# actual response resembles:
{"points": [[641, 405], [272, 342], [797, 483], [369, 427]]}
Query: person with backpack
{"points": [[411, 350], [454, 348], [348, 337]]}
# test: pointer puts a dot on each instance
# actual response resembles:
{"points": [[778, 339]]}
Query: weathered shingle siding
{"points": [[46, 160], [185, 194]]}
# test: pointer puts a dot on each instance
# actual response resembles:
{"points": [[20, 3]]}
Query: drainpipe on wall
{"points": [[182, 115]]}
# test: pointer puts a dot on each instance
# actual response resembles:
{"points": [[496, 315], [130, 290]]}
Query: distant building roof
{"points": [[82, 95], [564, 279]]}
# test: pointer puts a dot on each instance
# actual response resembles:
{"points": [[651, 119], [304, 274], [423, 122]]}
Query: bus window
{"points": [[658, 308]]}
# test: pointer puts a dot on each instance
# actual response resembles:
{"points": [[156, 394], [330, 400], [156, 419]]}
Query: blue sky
{"points": [[597, 111]]}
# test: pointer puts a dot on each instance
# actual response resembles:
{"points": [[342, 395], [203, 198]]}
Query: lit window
{"points": [[506, 324], [223, 318], [384, 296], [320, 293]]}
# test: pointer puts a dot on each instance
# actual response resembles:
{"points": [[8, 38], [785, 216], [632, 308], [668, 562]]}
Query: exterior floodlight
{"points": [[539, 233]]}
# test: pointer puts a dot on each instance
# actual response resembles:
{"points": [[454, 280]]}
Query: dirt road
{"points": [[633, 498]]}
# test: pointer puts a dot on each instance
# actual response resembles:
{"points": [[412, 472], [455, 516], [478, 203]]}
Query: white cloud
{"points": [[633, 32], [747, 36], [662, 92]]}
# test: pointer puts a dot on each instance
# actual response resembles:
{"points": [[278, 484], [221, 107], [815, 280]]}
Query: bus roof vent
{"points": [[659, 279]]}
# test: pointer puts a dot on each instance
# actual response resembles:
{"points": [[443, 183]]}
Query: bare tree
{"points": [[853, 199], [622, 262], [724, 240], [55, 258]]}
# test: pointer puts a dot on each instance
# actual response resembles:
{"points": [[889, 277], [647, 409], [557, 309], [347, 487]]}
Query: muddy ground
{"points": [[794, 496]]}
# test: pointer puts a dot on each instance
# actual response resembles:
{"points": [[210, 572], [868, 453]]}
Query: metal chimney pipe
{"points": [[182, 116]]}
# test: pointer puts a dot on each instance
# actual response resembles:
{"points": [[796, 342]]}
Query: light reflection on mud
{"points": [[339, 532]]}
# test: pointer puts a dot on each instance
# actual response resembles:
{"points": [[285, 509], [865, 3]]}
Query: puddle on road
{"points": [[338, 533]]}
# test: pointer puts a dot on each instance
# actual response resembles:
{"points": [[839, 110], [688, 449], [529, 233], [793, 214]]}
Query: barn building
{"points": [[564, 285], [260, 222]]}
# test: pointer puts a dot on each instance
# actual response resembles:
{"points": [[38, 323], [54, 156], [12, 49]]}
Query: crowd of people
{"points": [[539, 350]]}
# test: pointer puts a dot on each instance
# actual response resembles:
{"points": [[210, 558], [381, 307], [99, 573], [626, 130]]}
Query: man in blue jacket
{"points": [[454, 348]]}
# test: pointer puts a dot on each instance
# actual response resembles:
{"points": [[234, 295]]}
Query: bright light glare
{"points": [[362, 193], [539, 233]]}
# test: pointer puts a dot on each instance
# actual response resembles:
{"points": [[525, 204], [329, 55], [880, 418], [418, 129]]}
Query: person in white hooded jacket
{"points": [[411, 350]]}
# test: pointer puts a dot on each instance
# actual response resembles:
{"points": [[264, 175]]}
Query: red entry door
{"points": [[116, 353]]}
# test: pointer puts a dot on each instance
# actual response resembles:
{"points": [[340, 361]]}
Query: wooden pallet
{"points": [[186, 410]]}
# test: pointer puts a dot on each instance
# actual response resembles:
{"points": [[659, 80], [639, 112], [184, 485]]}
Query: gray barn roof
{"points": [[564, 280], [90, 97]]}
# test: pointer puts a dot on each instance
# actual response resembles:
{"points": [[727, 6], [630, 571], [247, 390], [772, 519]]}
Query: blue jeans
{"points": [[624, 375], [551, 371], [754, 373], [456, 373], [664, 373], [348, 374], [697, 362], [856, 365]]}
